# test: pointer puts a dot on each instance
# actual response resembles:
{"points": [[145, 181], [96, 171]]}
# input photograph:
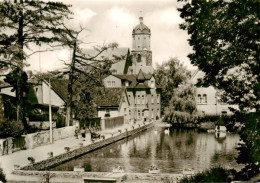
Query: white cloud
{"points": [[83, 16], [121, 16], [168, 17]]}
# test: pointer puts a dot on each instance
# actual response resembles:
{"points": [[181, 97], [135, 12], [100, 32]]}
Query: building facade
{"points": [[207, 99], [139, 83]]}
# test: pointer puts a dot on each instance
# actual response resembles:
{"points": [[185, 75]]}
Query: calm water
{"points": [[169, 152]]}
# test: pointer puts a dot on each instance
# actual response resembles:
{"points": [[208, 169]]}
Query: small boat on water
{"points": [[220, 126], [188, 171]]}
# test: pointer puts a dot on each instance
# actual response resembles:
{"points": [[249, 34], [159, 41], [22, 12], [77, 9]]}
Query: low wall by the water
{"points": [[32, 140], [77, 175], [56, 160], [41, 138]]}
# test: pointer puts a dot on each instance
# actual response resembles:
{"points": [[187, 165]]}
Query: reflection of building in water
{"points": [[221, 135]]}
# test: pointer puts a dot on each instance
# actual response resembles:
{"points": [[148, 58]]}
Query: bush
{"points": [[2, 175], [39, 117], [61, 121], [11, 129], [215, 174]]}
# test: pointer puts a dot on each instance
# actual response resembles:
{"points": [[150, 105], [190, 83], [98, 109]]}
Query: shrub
{"points": [[61, 121], [11, 129], [2, 176], [215, 174]]}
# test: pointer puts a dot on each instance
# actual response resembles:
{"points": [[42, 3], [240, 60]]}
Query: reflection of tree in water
{"points": [[222, 157], [178, 144], [170, 152], [189, 141]]}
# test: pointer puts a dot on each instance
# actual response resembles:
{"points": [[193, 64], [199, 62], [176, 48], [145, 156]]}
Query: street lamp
{"points": [[50, 111]]}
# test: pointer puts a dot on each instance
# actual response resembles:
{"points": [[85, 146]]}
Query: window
{"points": [[138, 99], [152, 99], [158, 112], [109, 83], [138, 57], [205, 98], [107, 114], [152, 113], [143, 102], [199, 99], [158, 99], [143, 113], [113, 83], [139, 114], [224, 113], [129, 112]]}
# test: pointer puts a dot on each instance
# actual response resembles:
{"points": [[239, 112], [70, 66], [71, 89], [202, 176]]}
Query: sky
{"points": [[109, 21]]}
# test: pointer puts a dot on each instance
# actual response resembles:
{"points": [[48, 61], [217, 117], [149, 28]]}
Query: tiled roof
{"points": [[60, 86], [125, 77], [141, 28], [140, 76], [110, 97], [118, 67]]}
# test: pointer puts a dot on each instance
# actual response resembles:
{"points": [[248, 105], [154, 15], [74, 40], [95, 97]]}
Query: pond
{"points": [[171, 151]]}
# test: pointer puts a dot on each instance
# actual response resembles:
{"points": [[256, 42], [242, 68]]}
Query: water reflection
{"points": [[170, 151]]}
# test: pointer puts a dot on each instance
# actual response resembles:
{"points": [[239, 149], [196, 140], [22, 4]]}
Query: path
{"points": [[7, 162]]}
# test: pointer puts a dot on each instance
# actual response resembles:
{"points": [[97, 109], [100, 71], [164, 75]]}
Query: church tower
{"points": [[141, 49]]}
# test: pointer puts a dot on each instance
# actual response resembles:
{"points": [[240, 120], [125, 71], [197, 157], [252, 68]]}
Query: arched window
{"points": [[138, 58], [205, 98], [199, 99]]}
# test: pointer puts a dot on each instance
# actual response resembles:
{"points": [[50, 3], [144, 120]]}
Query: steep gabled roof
{"points": [[110, 97], [140, 76], [125, 77], [60, 87]]}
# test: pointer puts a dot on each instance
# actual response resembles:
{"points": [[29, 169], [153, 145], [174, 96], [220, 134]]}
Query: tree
{"points": [[178, 99], [91, 67], [225, 38], [22, 24]]}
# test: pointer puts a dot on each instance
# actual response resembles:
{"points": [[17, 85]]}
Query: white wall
{"points": [[7, 91], [55, 99], [111, 78]]}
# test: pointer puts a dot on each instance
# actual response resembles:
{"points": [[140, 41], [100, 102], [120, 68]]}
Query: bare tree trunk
{"points": [[19, 91], [70, 85]]}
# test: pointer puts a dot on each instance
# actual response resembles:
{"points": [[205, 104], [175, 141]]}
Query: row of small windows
{"points": [[111, 83], [140, 113], [202, 99], [141, 99]]}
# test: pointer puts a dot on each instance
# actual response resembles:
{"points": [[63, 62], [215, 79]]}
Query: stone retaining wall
{"points": [[77, 175], [41, 138], [85, 149]]}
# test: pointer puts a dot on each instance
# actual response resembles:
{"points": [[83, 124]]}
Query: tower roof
{"points": [[140, 77], [141, 28]]}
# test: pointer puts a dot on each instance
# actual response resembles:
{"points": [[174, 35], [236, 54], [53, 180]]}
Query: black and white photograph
{"points": [[131, 91]]}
